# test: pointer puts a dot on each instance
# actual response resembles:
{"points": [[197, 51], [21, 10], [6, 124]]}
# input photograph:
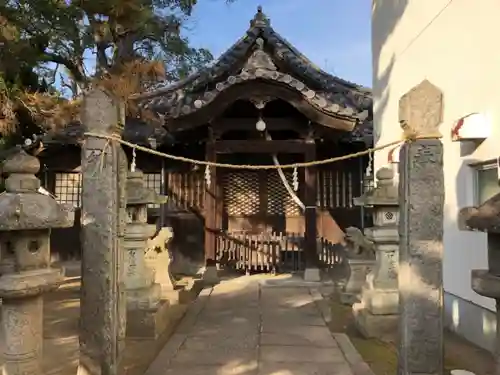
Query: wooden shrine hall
{"points": [[261, 103]]}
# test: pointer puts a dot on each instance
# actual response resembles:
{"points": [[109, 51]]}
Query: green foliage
{"points": [[42, 40], [16, 121], [61, 31]]}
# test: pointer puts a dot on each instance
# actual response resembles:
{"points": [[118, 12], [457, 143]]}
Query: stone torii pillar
{"points": [[104, 178], [421, 191], [26, 218]]}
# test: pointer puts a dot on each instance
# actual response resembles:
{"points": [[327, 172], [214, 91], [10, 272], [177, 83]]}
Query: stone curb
{"points": [[321, 304], [358, 365], [354, 359], [175, 341], [294, 283]]}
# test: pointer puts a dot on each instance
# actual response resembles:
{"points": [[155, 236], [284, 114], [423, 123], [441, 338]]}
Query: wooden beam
{"points": [[223, 125], [246, 91], [210, 207], [291, 146], [310, 212]]}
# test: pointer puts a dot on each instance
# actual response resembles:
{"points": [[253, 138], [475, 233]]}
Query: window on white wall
{"points": [[486, 182]]}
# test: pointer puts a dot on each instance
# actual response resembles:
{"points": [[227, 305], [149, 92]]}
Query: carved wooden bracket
{"points": [[260, 101]]}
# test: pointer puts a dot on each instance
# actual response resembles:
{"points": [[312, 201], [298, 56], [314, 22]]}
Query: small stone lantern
{"points": [[26, 218], [376, 315], [486, 218], [145, 308]]}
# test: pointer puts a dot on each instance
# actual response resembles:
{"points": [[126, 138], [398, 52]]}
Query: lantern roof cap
{"points": [[384, 194], [22, 206], [138, 193]]}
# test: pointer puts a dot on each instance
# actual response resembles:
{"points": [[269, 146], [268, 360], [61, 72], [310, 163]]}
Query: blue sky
{"points": [[334, 34]]}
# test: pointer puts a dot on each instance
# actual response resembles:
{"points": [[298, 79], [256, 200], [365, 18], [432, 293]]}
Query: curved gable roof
{"points": [[334, 96]]}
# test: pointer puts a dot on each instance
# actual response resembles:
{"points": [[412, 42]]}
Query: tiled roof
{"points": [[135, 131], [263, 48]]}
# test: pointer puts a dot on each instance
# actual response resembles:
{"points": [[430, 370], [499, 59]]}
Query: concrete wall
{"points": [[475, 323], [452, 44]]}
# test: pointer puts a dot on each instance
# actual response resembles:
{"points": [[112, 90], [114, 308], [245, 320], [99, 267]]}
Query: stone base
{"points": [[88, 366], [174, 297], [381, 301], [179, 296], [182, 265], [376, 326], [312, 274], [349, 298], [143, 298], [358, 272], [148, 323], [210, 275], [185, 294]]}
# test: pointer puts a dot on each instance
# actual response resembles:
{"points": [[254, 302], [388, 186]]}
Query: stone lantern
{"points": [[26, 218], [376, 315], [486, 218], [146, 311]]}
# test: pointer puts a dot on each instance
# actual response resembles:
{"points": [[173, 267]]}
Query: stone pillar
{"points": [[377, 313], [104, 176], [26, 218], [421, 190], [146, 312], [486, 283]]}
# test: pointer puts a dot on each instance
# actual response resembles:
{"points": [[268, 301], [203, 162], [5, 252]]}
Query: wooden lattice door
{"points": [[242, 200], [279, 200], [257, 201]]}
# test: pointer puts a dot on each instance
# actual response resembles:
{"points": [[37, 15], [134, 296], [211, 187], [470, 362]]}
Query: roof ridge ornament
{"points": [[259, 58], [260, 19]]}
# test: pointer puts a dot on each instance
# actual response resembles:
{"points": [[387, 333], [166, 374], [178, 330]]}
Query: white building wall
{"points": [[454, 45]]}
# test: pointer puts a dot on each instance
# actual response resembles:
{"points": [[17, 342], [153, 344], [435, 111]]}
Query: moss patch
{"points": [[381, 356]]}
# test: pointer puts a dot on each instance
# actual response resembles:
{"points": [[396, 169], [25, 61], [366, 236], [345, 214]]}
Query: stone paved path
{"points": [[251, 329]]}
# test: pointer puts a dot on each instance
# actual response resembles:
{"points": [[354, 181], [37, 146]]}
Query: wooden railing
{"points": [[329, 253], [336, 188], [186, 191], [271, 252]]}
